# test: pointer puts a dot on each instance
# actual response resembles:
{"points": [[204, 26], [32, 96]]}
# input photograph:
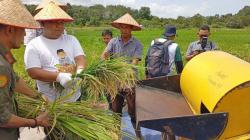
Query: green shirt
{"points": [[178, 56], [7, 104]]}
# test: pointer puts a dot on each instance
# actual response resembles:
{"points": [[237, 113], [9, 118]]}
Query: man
{"points": [[125, 46], [202, 45], [43, 55], [164, 55], [13, 19], [107, 36], [33, 33]]}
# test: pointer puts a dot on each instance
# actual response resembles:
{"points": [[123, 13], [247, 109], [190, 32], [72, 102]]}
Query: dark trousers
{"points": [[117, 104]]}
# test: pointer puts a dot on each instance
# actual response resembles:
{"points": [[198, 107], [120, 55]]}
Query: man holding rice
{"points": [[54, 56], [14, 18], [129, 47]]}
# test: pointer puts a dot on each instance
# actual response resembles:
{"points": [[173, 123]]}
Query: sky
{"points": [[169, 8]]}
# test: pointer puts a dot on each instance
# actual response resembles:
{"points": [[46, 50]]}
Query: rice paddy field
{"points": [[233, 41]]}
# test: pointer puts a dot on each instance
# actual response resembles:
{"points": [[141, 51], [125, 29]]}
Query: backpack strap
{"points": [[165, 57]]}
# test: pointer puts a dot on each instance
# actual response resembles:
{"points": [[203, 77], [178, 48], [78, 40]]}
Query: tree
{"points": [[234, 22], [197, 20], [145, 13]]}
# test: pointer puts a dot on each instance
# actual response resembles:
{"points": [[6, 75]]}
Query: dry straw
{"points": [[13, 12], [52, 12], [46, 2], [128, 20]]}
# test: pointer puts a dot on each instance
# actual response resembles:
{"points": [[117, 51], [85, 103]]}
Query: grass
{"points": [[233, 41]]}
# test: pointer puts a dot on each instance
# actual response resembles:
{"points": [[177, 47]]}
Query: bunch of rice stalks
{"points": [[80, 120], [102, 77], [107, 77], [73, 121]]}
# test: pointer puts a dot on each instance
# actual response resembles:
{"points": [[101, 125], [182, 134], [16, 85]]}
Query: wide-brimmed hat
{"points": [[170, 30], [52, 12], [128, 20], [13, 13], [46, 2]]}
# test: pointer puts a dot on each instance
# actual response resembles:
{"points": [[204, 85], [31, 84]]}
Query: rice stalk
{"points": [[102, 77], [79, 120]]}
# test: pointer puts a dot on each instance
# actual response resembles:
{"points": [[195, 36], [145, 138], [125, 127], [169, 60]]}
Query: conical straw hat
{"points": [[126, 19], [46, 2], [13, 12], [52, 12]]}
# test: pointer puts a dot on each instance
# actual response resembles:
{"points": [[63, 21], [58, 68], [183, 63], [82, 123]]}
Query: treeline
{"points": [[98, 15]]}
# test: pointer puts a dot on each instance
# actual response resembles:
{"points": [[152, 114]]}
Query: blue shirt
{"points": [[196, 45], [131, 50]]}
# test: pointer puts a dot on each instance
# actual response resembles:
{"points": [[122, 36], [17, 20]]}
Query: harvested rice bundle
{"points": [[73, 121], [102, 77]]}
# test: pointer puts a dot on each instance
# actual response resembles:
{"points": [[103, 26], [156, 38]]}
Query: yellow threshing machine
{"points": [[210, 100]]}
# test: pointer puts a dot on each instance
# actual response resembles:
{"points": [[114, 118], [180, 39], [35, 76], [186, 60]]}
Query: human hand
{"points": [[196, 52], [79, 71], [64, 78], [43, 119]]}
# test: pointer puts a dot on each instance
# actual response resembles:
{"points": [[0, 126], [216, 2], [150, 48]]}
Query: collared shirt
{"points": [[196, 46], [132, 49], [7, 105]]}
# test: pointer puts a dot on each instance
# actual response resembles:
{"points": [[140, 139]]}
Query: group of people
{"points": [[163, 57], [53, 56], [165, 50]]}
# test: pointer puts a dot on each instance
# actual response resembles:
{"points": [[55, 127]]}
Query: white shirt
{"points": [[42, 53]]}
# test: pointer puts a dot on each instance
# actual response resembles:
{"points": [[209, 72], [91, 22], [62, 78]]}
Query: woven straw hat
{"points": [[126, 19], [13, 13], [46, 2], [52, 12]]}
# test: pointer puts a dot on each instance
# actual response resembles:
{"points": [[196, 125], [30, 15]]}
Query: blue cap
{"points": [[170, 30]]}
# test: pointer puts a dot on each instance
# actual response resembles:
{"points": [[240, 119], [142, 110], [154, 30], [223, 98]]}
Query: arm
{"points": [[178, 60], [42, 75], [34, 67], [8, 119], [47, 76], [106, 53], [81, 62], [190, 53], [16, 122], [22, 87]]}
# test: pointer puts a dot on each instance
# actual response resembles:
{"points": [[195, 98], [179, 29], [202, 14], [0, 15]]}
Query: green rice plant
{"points": [[78, 120], [81, 120], [102, 77], [107, 77]]}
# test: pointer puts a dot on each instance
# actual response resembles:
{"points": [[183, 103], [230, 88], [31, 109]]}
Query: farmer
{"points": [[201, 45], [45, 55], [169, 60], [32, 33], [107, 35], [14, 18], [125, 46]]}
